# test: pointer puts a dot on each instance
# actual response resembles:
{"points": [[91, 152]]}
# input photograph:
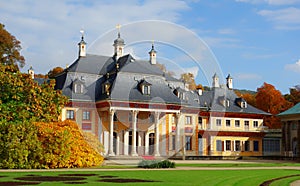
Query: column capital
{"points": [[112, 111], [134, 112]]}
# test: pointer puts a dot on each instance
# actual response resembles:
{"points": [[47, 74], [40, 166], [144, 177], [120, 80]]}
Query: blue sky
{"points": [[256, 41]]}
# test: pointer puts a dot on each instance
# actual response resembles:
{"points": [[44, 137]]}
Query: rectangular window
{"points": [[255, 124], [294, 126], [173, 119], [199, 120], [151, 118], [146, 90], [86, 115], [256, 146], [188, 120], [228, 145], [188, 143], [227, 123], [70, 114], [173, 142], [219, 145], [237, 123], [218, 122], [86, 126], [246, 124], [237, 145], [247, 146]]}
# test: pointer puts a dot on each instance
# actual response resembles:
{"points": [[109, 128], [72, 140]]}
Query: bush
{"points": [[20, 147], [156, 164], [65, 147]]}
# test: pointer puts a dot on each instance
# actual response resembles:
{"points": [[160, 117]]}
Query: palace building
{"points": [[135, 109]]}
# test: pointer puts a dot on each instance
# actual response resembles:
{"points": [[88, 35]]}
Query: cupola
{"points": [[152, 55], [31, 72], [215, 82], [229, 82], [82, 45], [119, 45]]}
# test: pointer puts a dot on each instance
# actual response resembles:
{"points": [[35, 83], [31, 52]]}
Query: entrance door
{"points": [[151, 143], [129, 142], [200, 145]]}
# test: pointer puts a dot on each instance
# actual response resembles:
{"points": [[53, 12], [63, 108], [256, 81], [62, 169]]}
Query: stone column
{"points": [[147, 143], [118, 144], [156, 145], [111, 133], [126, 142], [177, 135], [134, 120]]}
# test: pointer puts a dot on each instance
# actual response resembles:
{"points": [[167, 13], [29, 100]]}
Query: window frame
{"points": [[70, 114], [228, 121], [218, 122], [255, 124], [85, 116], [188, 121], [255, 146], [237, 123], [227, 145], [188, 143]]}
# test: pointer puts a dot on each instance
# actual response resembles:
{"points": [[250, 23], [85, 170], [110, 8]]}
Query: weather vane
{"points": [[82, 32]]}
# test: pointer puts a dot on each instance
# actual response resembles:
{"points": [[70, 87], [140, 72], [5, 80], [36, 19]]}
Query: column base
{"points": [[134, 154], [111, 154], [156, 154]]}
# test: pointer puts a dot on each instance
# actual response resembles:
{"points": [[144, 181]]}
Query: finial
{"points": [[82, 33], [152, 44], [118, 26]]}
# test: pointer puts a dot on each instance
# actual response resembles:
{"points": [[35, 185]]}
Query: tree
{"points": [[271, 100], [188, 78], [293, 96], [250, 98], [10, 49], [55, 71], [163, 68], [23, 99]]}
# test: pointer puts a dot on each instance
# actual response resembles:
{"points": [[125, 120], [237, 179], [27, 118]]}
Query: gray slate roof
{"points": [[125, 75]]}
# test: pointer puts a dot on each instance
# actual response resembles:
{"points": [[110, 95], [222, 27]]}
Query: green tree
{"points": [[23, 99], [10, 49], [293, 96]]}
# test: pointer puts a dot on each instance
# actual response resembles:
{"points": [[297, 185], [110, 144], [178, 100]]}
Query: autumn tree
{"points": [[250, 98], [271, 100], [55, 71], [188, 78], [163, 68], [10, 49]]}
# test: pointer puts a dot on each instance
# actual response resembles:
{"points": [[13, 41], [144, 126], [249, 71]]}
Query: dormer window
{"points": [[244, 104], [145, 87], [78, 86], [105, 87], [241, 102]]}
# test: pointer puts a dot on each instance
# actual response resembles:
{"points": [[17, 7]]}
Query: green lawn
{"points": [[237, 164], [162, 177]]}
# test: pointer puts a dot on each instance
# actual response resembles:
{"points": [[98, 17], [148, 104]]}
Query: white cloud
{"points": [[226, 31], [288, 18], [271, 2], [293, 67], [49, 30], [247, 76]]}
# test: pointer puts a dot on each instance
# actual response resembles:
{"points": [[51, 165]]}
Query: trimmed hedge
{"points": [[156, 164]]}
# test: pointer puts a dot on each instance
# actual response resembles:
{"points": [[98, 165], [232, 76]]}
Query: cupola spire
{"points": [[119, 44], [152, 55], [229, 82], [82, 45], [215, 82]]}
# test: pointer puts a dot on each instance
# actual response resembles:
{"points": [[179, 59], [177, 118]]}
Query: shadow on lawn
{"points": [[68, 179], [268, 182]]}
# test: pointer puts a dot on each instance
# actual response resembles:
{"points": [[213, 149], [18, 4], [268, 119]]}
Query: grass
{"points": [[237, 165], [170, 177]]}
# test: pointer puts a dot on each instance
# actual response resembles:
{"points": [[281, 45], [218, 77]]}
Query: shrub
{"points": [[65, 147], [20, 147], [156, 164]]}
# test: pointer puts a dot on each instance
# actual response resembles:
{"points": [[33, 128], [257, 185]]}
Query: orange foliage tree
{"points": [[271, 100], [250, 98], [64, 146]]}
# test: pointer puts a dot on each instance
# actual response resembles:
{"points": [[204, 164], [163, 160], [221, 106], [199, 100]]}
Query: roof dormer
{"points": [[241, 102], [145, 87]]}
